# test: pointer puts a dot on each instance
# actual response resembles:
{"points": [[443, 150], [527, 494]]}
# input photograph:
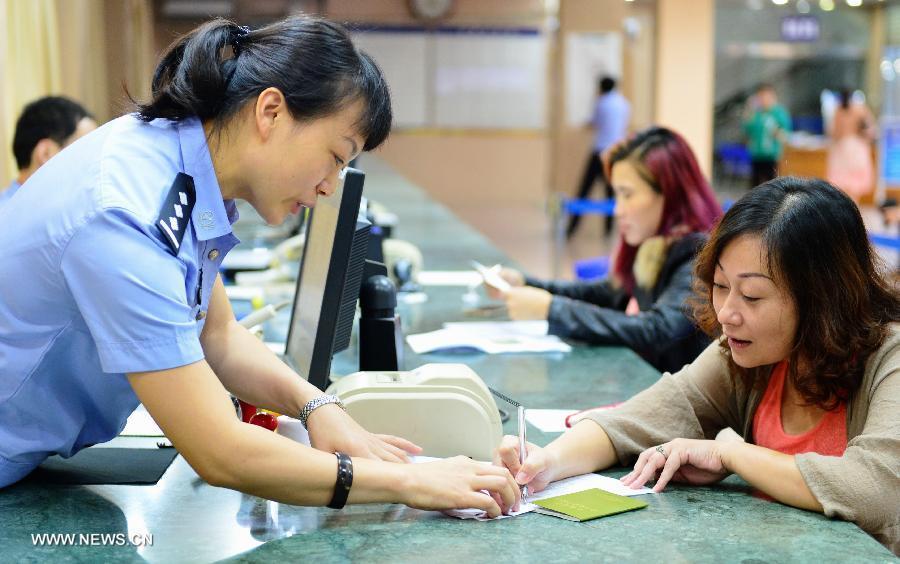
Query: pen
{"points": [[521, 413]]}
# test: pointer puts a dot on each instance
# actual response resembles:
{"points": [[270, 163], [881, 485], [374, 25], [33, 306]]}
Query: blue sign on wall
{"points": [[800, 28]]}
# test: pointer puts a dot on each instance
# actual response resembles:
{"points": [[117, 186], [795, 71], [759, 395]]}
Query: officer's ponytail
{"points": [[215, 69]]}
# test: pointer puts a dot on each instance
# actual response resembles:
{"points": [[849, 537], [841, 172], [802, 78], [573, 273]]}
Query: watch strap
{"points": [[343, 482]]}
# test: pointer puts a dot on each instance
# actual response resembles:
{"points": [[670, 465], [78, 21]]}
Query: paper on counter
{"points": [[140, 424], [549, 420], [534, 328], [464, 278], [560, 487], [554, 420], [490, 337], [586, 482], [248, 259]]}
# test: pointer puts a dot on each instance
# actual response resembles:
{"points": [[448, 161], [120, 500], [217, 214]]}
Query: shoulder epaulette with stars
{"points": [[175, 215]]}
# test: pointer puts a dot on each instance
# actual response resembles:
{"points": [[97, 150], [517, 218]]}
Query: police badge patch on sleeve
{"points": [[175, 215]]}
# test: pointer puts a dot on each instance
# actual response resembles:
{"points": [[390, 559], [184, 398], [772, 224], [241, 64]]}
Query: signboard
{"points": [[798, 29]]}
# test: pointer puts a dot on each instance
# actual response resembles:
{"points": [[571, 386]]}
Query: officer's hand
{"points": [[332, 430], [527, 302], [461, 483]]}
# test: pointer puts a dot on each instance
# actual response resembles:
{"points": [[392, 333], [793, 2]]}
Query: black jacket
{"points": [[662, 333]]}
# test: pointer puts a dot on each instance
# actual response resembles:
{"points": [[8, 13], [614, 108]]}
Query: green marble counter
{"points": [[193, 522]]}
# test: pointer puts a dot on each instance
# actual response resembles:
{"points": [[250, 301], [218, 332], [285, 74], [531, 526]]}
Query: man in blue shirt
{"points": [[44, 128], [610, 122]]}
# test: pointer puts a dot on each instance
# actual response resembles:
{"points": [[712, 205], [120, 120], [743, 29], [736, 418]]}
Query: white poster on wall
{"points": [[401, 57], [490, 80], [477, 78], [589, 57]]}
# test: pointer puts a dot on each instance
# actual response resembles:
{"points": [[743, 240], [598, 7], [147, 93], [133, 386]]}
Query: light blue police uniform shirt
{"points": [[8, 193], [611, 114], [90, 290]]}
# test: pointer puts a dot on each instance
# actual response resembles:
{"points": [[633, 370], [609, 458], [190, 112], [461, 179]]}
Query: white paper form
{"points": [[464, 278], [560, 487], [554, 420], [490, 337], [533, 328], [549, 420]]}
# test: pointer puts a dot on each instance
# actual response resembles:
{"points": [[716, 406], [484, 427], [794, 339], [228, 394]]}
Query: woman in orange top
{"points": [[806, 367]]}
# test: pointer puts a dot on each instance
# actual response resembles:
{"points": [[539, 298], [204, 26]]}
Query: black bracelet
{"points": [[343, 482]]}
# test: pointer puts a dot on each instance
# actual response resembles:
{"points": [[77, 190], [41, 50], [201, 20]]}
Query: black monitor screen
{"points": [[331, 272]]}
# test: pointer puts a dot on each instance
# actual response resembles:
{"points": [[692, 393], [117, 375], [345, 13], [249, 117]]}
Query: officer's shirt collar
{"points": [[212, 217]]}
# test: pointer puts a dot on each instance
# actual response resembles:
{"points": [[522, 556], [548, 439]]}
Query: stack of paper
{"points": [[490, 337]]}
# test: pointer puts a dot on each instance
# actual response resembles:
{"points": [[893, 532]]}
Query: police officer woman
{"points": [[110, 292]]}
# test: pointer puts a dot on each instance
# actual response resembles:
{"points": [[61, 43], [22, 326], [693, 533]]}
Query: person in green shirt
{"points": [[766, 128]]}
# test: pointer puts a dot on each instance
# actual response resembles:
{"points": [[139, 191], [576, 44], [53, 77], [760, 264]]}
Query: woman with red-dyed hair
{"points": [[664, 208]]}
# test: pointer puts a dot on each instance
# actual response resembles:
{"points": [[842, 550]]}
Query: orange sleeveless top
{"points": [[828, 438]]}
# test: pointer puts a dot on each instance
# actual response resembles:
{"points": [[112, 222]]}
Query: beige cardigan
{"points": [[862, 486]]}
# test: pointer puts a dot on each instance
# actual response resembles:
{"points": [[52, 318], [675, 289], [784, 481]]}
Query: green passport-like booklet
{"points": [[587, 504]]}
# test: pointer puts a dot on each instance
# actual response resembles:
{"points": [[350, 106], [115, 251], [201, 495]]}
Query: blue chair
{"points": [[592, 268], [811, 123], [586, 206], [735, 159], [885, 241]]}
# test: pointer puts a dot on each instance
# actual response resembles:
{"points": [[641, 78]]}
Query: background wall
{"points": [[684, 73], [84, 49], [570, 145], [471, 169]]}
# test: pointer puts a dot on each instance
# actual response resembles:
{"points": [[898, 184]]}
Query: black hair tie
{"points": [[238, 37]]}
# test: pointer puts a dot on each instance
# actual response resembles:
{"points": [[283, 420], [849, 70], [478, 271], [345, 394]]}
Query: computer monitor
{"points": [[331, 272]]}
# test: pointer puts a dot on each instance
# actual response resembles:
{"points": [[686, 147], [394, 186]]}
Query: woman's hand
{"points": [[332, 430], [461, 483], [692, 461], [512, 276], [527, 302], [538, 469]]}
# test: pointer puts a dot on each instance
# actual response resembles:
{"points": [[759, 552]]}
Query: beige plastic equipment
{"points": [[444, 408]]}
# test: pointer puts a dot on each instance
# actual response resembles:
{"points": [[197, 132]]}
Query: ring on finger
{"points": [[661, 450]]}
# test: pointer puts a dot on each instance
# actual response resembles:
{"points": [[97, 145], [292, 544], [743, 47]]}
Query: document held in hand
{"points": [[491, 276]]}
